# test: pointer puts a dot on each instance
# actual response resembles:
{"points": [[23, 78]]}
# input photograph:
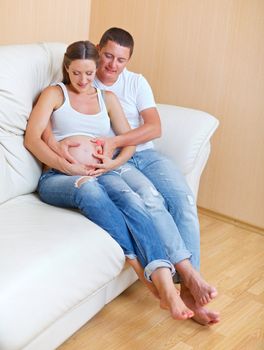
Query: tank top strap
{"points": [[101, 100], [65, 92]]}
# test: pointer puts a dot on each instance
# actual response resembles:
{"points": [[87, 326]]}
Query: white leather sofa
{"points": [[58, 269]]}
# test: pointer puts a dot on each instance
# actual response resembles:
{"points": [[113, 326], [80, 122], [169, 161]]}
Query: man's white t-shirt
{"points": [[135, 95]]}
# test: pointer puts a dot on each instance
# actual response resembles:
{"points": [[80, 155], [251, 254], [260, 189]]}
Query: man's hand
{"points": [[105, 146]]}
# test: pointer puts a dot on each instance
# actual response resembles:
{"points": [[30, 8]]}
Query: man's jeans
{"points": [[132, 228], [179, 201]]}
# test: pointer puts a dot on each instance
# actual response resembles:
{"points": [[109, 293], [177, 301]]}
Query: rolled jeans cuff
{"points": [[131, 256], [156, 264]]}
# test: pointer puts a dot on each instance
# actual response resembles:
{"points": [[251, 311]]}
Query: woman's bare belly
{"points": [[84, 152]]}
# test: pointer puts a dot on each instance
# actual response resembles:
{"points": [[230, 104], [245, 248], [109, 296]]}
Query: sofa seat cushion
{"points": [[49, 262]]}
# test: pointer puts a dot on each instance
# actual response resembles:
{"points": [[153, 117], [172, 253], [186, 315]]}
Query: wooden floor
{"points": [[233, 261]]}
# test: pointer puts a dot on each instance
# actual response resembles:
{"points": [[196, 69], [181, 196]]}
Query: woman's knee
{"points": [[87, 188]]}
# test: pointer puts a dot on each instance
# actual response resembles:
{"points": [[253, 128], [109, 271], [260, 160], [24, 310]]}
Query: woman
{"points": [[78, 113]]}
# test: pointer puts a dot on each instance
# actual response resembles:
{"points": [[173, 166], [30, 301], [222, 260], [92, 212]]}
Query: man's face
{"points": [[113, 59]]}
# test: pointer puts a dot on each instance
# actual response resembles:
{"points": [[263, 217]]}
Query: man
{"points": [[136, 97]]}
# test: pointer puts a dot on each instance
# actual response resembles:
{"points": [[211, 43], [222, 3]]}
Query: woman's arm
{"points": [[120, 125], [61, 148], [50, 99]]}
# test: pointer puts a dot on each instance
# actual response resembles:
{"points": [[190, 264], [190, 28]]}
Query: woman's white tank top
{"points": [[66, 121]]}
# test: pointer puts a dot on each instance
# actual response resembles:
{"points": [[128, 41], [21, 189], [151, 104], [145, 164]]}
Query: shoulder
{"points": [[52, 91], [136, 80], [133, 76], [52, 94]]}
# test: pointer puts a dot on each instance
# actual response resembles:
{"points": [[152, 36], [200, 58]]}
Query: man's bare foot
{"points": [[202, 315], [202, 292]]}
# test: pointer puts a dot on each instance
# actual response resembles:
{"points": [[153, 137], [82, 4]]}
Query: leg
{"points": [[179, 199], [137, 190], [180, 203], [91, 199], [140, 273], [138, 219]]}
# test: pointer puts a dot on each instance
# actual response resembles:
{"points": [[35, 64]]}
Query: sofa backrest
{"points": [[25, 70]]}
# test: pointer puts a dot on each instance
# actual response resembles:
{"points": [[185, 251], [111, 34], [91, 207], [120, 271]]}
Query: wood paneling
{"points": [[29, 21], [209, 55]]}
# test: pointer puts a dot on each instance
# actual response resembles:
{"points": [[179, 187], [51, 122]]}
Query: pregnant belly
{"points": [[84, 152]]}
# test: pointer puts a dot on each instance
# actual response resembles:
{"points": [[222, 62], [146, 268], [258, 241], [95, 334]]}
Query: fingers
{"points": [[98, 142], [72, 144], [97, 172], [99, 156], [69, 158], [99, 149], [65, 150]]}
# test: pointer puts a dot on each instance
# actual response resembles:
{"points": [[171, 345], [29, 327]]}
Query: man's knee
{"points": [[152, 198]]}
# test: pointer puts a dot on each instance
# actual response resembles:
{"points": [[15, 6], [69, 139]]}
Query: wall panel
{"points": [[28, 21], [209, 55]]}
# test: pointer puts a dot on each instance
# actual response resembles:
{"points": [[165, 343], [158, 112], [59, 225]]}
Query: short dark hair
{"points": [[119, 36], [79, 50]]}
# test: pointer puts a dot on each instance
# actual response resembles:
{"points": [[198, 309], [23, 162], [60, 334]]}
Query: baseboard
{"points": [[231, 220]]}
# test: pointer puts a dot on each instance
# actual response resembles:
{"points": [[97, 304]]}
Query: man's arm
{"points": [[151, 129]]}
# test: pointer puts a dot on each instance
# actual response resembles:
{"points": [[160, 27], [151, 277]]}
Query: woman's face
{"points": [[81, 73]]}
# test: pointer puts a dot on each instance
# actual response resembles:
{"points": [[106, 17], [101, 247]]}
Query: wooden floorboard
{"points": [[232, 259]]}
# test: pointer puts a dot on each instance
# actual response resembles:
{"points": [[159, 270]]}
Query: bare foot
{"points": [[202, 315], [169, 295], [177, 308], [202, 292]]}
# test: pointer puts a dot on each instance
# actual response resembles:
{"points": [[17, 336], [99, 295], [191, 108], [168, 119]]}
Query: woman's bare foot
{"points": [[202, 315], [169, 295], [202, 292]]}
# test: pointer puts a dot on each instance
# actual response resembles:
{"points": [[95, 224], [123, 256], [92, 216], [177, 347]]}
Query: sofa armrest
{"points": [[186, 134]]}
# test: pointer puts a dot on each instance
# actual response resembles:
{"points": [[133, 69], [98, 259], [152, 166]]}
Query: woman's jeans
{"points": [[179, 201], [131, 226]]}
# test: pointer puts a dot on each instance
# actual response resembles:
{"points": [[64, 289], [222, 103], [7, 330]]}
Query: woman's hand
{"points": [[75, 169], [62, 150], [107, 164]]}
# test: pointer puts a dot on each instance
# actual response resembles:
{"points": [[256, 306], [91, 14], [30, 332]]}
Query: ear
{"points": [[67, 69], [98, 47]]}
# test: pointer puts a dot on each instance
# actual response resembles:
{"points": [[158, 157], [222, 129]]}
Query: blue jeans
{"points": [[132, 229], [179, 201], [131, 190]]}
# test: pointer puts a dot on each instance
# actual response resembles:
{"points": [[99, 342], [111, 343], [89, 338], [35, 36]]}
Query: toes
{"points": [[213, 293]]}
